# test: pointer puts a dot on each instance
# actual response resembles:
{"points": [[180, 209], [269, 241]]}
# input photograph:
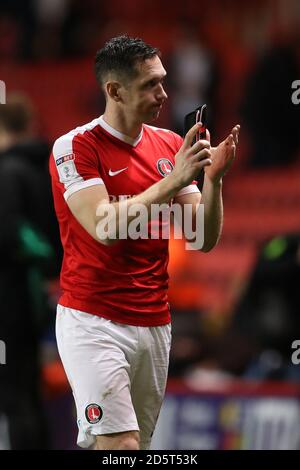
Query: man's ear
{"points": [[113, 90]]}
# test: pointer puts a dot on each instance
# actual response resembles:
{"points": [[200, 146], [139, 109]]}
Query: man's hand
{"points": [[190, 159], [222, 156]]}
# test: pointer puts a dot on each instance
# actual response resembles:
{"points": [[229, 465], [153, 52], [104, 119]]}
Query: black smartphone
{"points": [[198, 115]]}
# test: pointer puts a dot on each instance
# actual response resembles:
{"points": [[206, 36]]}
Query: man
{"points": [[113, 319], [26, 258]]}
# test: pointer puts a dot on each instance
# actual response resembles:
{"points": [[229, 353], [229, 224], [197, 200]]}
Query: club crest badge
{"points": [[93, 413], [164, 166]]}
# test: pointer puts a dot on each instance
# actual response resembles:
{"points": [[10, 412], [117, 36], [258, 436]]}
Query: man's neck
{"points": [[122, 123]]}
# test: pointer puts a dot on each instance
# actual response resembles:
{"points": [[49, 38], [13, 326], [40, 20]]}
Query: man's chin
{"points": [[154, 116]]}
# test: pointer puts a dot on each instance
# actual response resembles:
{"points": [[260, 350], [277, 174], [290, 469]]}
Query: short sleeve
{"points": [[76, 164], [191, 188]]}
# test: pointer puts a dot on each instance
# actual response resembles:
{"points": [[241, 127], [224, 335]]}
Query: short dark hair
{"points": [[120, 55]]}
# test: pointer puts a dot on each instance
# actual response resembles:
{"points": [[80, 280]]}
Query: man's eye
{"points": [[154, 83]]}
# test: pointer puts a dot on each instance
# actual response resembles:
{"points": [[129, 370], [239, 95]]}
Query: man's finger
{"points": [[191, 134], [202, 154], [229, 140], [199, 145], [202, 163], [235, 132]]}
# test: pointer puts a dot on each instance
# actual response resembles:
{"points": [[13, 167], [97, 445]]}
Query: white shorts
{"points": [[117, 372]]}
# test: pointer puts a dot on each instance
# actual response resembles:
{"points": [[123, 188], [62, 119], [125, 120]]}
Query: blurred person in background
{"points": [[26, 256], [17, 29], [257, 344], [192, 76], [267, 316], [113, 318], [269, 114]]}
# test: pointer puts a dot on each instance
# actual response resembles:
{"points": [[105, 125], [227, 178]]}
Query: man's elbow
{"points": [[197, 245], [207, 247], [209, 243]]}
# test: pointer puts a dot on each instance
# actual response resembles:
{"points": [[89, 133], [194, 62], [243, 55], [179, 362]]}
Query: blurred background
{"points": [[234, 373]]}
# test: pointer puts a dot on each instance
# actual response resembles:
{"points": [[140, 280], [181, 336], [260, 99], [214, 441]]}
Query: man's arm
{"points": [[91, 206], [222, 158], [211, 199]]}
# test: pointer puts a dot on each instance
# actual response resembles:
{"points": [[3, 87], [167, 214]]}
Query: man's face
{"points": [[144, 95]]}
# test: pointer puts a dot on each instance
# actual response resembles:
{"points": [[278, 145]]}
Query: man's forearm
{"points": [[213, 212], [161, 192], [123, 212]]}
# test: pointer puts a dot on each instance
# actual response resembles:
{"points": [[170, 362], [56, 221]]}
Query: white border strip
{"points": [[191, 188], [81, 185]]}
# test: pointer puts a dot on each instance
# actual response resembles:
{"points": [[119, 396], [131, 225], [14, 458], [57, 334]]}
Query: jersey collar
{"points": [[119, 135]]}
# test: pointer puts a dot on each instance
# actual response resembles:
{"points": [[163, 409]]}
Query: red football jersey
{"points": [[126, 282]]}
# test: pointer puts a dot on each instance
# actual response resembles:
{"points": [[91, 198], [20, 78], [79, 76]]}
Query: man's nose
{"points": [[162, 95]]}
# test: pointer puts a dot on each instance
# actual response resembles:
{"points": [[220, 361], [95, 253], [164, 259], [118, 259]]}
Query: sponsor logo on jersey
{"points": [[66, 168], [114, 173], [164, 166], [93, 413], [65, 158]]}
